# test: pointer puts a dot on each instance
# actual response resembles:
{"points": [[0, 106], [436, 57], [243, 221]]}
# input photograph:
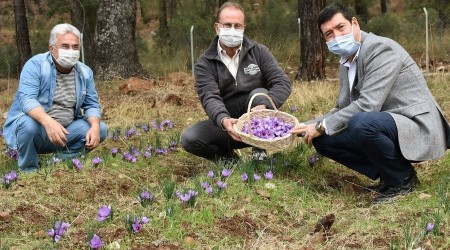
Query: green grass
{"points": [[276, 214]]}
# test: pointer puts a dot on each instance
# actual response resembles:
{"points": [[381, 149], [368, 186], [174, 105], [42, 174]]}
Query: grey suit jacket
{"points": [[390, 81]]}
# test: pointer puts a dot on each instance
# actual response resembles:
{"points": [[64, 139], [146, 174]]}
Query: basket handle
{"points": [[260, 94], [250, 106]]}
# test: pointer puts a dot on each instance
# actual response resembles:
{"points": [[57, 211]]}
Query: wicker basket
{"points": [[272, 145]]}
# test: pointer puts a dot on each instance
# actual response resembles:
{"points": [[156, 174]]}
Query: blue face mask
{"points": [[344, 45]]}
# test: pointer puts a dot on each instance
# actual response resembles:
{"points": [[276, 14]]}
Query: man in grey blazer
{"points": [[385, 118]]}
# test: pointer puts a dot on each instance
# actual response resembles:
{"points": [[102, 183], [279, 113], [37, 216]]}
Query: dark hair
{"points": [[329, 11], [229, 5]]}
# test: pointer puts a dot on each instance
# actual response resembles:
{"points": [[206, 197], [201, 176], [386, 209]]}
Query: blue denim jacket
{"points": [[36, 89]]}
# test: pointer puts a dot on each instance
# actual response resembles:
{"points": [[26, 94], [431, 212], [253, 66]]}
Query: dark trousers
{"points": [[369, 146], [209, 141]]}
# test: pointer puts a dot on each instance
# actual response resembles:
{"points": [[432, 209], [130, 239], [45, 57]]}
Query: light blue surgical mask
{"points": [[344, 45]]}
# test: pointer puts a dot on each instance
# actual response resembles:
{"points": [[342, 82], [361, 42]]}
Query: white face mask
{"points": [[231, 37], [67, 58], [344, 45]]}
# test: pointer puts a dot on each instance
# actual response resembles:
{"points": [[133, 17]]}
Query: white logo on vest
{"points": [[252, 69]]}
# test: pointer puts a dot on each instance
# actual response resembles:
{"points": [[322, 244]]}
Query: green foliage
{"points": [[9, 61], [384, 25]]}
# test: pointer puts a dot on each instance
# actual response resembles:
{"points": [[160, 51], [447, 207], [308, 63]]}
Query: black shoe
{"points": [[390, 192], [377, 188], [259, 154]]}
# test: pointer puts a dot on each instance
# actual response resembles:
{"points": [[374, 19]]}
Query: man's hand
{"points": [[55, 131], [227, 124], [93, 134], [308, 132]]}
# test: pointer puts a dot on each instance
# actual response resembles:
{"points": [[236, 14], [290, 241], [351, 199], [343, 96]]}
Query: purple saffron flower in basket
{"points": [[77, 163], [268, 128], [244, 177], [226, 172], [96, 242], [268, 175], [210, 174], [104, 213]]}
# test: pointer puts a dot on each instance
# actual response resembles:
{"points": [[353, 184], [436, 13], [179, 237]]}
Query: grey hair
{"points": [[61, 29]]}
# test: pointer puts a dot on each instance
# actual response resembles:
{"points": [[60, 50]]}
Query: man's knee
{"points": [[28, 127], [103, 131]]}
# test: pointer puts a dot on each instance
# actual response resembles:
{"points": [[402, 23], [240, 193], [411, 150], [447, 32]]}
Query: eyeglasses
{"points": [[228, 26], [67, 46]]}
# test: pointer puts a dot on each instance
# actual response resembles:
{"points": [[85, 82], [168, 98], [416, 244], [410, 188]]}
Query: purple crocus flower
{"points": [[96, 242], [161, 151], [147, 154], [268, 175], [77, 163], [138, 223], [221, 184], [226, 172], [58, 230], [210, 174], [96, 161], [186, 197], [10, 177], [146, 127], [209, 189], [430, 227], [115, 151], [204, 184], [244, 177], [103, 213], [256, 177], [145, 198], [313, 159]]}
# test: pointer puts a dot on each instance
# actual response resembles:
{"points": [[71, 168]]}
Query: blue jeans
{"points": [[32, 140], [369, 146]]}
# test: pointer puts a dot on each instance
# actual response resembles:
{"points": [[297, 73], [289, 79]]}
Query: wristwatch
{"points": [[319, 127]]}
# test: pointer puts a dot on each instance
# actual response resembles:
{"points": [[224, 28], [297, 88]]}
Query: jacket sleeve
{"points": [[208, 91], [29, 85]]}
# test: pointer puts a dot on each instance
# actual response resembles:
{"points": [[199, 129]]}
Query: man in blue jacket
{"points": [[56, 106], [231, 70], [386, 117]]}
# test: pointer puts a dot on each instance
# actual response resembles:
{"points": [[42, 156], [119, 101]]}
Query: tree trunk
{"points": [[361, 10], [383, 6], [164, 37], [115, 41], [22, 35], [311, 42], [172, 8], [84, 16]]}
